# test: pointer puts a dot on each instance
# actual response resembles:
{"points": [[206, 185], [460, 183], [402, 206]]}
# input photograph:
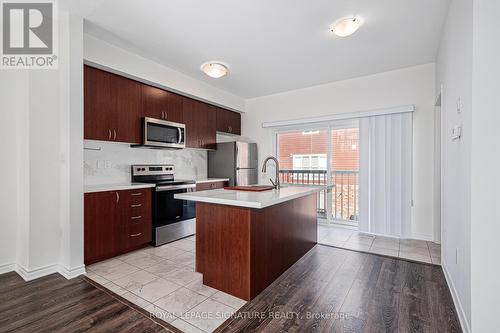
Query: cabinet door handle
{"points": [[136, 194], [166, 115], [135, 206], [114, 137], [136, 235], [136, 217], [117, 197], [162, 115], [230, 129], [109, 134]]}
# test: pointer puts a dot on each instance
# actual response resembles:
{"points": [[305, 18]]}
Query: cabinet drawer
{"points": [[138, 195], [137, 199], [138, 233], [138, 218]]}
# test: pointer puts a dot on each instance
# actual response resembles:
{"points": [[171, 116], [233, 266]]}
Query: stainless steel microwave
{"points": [[163, 134]]}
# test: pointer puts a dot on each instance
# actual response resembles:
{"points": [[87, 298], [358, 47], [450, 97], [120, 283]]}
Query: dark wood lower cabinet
{"points": [[101, 226], [116, 222]]}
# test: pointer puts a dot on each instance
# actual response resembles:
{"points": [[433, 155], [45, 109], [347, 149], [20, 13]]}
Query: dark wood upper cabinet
{"points": [[228, 121], [161, 104], [126, 117], [200, 119], [97, 102], [112, 107]]}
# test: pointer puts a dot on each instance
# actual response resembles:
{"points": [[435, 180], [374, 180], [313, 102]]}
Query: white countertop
{"points": [[115, 187], [211, 180], [131, 186], [250, 199]]}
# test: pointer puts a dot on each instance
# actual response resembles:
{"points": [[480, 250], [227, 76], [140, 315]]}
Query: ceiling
{"points": [[272, 46]]}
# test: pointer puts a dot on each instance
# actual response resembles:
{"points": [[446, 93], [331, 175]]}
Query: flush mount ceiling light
{"points": [[346, 26], [214, 69]]}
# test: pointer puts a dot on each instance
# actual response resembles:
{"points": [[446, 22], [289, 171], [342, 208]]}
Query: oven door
{"points": [[160, 133], [168, 210]]}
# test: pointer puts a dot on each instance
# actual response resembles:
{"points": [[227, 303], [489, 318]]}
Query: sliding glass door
{"points": [[324, 156], [303, 157], [344, 168]]}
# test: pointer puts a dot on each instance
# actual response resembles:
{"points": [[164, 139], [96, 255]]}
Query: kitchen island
{"points": [[245, 240]]}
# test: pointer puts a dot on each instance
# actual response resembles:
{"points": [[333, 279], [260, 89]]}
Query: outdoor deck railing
{"points": [[344, 195]]}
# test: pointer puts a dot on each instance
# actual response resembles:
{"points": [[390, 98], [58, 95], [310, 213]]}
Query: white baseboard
{"points": [[71, 273], [456, 300], [5, 268], [33, 274]]}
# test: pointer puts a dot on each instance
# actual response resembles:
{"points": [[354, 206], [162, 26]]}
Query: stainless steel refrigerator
{"points": [[236, 161]]}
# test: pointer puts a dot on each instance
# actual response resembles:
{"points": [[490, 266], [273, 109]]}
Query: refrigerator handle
{"points": [[236, 152]]}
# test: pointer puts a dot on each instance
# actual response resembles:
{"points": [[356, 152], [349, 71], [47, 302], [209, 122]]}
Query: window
{"points": [[309, 162]]}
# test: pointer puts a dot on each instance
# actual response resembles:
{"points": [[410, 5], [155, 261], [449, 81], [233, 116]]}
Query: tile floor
{"points": [[162, 280], [416, 250]]}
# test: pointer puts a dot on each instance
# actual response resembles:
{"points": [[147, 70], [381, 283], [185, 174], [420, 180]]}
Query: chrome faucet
{"points": [[276, 182]]}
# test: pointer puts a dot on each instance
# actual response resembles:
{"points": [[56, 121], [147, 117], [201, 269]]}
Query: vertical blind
{"points": [[386, 174]]}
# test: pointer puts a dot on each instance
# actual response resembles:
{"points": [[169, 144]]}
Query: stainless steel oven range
{"points": [[172, 218]]}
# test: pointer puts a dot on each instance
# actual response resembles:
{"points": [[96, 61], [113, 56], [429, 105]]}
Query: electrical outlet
{"points": [[100, 164], [456, 132]]}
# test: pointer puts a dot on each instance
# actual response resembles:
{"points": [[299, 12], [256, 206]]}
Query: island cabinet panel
{"points": [[116, 222], [282, 234], [161, 104], [229, 226], [200, 119], [241, 250], [228, 121], [112, 107]]}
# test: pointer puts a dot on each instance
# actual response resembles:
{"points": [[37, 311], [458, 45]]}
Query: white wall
{"points": [[485, 176], [122, 61], [12, 93], [44, 223], [71, 144], [407, 86], [454, 72]]}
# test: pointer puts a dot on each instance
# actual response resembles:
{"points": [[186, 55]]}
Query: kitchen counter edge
{"points": [[203, 197], [115, 187]]}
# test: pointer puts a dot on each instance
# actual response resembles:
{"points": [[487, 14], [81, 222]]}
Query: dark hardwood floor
{"points": [[336, 290], [54, 304]]}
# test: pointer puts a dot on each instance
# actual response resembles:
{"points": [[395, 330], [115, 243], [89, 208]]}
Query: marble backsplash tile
{"points": [[111, 164]]}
